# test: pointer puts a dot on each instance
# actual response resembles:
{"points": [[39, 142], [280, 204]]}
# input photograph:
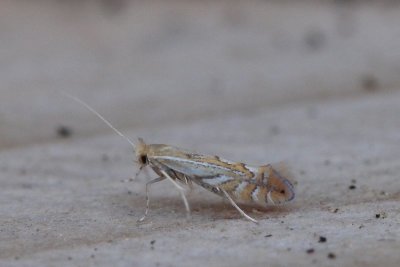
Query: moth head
{"points": [[141, 152], [280, 187]]}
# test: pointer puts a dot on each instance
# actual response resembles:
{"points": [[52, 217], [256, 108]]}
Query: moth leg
{"points": [[132, 178], [148, 184], [237, 207], [142, 167], [138, 172], [189, 183], [181, 191]]}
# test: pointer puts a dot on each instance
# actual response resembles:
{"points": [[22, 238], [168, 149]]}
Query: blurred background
{"points": [[155, 63]]}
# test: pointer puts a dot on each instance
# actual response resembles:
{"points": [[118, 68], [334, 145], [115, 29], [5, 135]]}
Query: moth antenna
{"points": [[86, 105]]}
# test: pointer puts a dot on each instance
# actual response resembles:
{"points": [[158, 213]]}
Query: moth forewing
{"points": [[267, 186], [241, 182]]}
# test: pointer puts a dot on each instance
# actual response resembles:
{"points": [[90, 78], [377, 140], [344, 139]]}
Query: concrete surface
{"points": [[332, 116]]}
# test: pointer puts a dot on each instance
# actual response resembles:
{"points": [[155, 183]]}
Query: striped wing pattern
{"points": [[244, 183]]}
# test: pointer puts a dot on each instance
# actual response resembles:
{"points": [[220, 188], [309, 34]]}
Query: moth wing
{"points": [[202, 166]]}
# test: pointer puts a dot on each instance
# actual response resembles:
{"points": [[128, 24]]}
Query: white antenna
{"points": [[86, 105]]}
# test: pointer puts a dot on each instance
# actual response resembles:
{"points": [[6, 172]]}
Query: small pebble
{"points": [[310, 251], [335, 210], [152, 242], [369, 83], [381, 215], [331, 256], [64, 131], [274, 130], [315, 39], [105, 157]]}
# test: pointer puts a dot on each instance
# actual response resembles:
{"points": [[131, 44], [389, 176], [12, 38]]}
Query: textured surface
{"points": [[210, 78]]}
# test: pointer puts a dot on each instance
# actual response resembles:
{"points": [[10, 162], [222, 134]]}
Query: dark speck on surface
{"points": [[105, 157], [64, 131], [315, 40], [381, 215], [310, 251], [369, 83], [152, 242], [367, 162], [331, 256], [322, 239], [274, 130]]}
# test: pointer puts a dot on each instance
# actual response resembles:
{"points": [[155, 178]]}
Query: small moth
{"points": [[235, 181]]}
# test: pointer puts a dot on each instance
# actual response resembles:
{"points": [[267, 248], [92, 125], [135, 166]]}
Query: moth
{"points": [[235, 181]]}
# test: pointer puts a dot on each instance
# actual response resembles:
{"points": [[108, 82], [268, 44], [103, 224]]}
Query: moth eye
{"points": [[143, 159]]}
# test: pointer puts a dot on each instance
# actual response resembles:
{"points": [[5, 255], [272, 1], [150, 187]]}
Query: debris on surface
{"points": [[64, 131], [331, 256], [310, 251]]}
